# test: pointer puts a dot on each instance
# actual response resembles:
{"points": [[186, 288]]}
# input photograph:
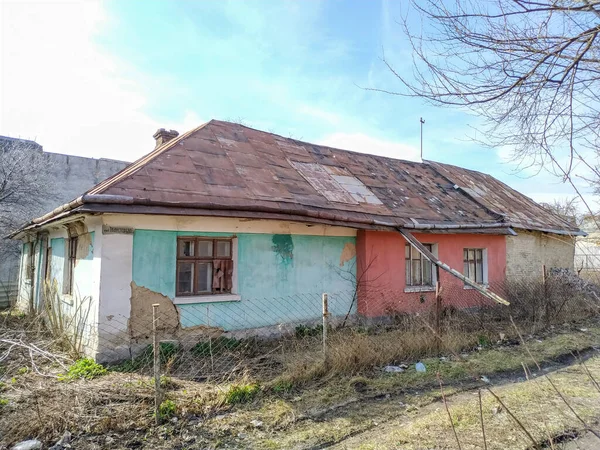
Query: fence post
{"points": [[546, 302], [438, 317], [156, 348], [325, 321]]}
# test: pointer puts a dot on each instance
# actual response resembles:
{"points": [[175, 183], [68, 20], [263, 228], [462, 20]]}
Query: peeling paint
{"points": [[348, 252], [140, 318]]}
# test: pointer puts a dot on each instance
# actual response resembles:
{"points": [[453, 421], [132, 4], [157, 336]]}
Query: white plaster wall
{"points": [[529, 251], [115, 294]]}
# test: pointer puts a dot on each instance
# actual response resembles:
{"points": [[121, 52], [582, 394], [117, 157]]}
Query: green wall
{"points": [[280, 277]]}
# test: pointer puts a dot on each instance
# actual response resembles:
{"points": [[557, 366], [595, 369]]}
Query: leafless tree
{"points": [[529, 68], [24, 182], [567, 209]]}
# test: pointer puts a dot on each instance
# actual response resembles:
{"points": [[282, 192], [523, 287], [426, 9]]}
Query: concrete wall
{"points": [[381, 271], [69, 176], [527, 252]]}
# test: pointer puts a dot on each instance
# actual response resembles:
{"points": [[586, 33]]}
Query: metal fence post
{"points": [[156, 348], [325, 321]]}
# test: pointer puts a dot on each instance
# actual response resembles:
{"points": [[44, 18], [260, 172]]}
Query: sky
{"points": [[97, 78]]}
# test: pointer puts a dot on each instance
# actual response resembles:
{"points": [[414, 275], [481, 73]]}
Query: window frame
{"points": [[408, 268], [483, 280], [69, 266], [195, 259]]}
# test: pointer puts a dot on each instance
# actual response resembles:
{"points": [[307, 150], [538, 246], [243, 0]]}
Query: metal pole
{"points": [[422, 122], [325, 320], [155, 344]]}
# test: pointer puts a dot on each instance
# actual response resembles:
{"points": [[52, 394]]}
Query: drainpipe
{"points": [[31, 269]]}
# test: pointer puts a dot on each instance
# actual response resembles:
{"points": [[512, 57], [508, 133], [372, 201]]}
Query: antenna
{"points": [[422, 122]]}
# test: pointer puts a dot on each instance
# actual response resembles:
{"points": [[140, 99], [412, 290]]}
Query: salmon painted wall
{"points": [[381, 271]]}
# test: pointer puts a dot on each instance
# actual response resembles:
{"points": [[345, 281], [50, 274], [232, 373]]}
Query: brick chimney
{"points": [[163, 136]]}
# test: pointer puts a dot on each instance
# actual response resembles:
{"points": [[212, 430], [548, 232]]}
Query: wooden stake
{"points": [[155, 344], [325, 322]]}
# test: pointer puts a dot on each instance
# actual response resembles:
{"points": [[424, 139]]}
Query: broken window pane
{"points": [[205, 277], [185, 278], [205, 249], [223, 249], [186, 248]]}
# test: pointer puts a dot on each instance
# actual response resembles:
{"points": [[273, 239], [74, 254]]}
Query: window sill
{"points": [[484, 285], [419, 289], [207, 299]]}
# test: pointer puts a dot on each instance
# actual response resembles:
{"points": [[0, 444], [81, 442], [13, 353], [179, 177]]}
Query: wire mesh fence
{"points": [[343, 332]]}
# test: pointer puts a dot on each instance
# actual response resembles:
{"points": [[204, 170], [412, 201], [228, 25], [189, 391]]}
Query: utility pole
{"points": [[422, 122]]}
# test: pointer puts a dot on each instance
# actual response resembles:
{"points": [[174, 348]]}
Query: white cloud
{"points": [[363, 143], [60, 89]]}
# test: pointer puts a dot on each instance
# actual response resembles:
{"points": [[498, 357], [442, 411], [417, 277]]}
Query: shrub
{"points": [[166, 410], [241, 393], [85, 368]]}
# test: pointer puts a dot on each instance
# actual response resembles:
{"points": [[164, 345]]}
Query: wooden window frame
{"points": [[408, 275], [195, 259], [479, 256], [69, 267]]}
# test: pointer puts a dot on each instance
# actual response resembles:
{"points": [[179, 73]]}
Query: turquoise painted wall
{"points": [[280, 277]]}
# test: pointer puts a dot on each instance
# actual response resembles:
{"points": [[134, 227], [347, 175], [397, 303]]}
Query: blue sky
{"points": [[97, 78]]}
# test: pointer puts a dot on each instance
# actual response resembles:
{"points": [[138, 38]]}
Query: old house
{"points": [[233, 228]]}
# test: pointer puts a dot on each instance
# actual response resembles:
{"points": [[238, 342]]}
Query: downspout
{"points": [[31, 270]]}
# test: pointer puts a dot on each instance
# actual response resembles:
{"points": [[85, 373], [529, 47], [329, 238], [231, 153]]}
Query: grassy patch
{"points": [[85, 368], [241, 393]]}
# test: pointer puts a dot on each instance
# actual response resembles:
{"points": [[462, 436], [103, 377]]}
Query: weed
{"points": [[241, 393], [169, 353], [3, 402], [282, 386], [22, 370], [85, 368], [303, 331], [216, 346], [166, 410], [484, 341], [2, 386]]}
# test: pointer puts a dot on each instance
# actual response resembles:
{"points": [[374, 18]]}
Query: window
{"points": [[419, 270], [474, 265], [69, 268], [204, 266]]}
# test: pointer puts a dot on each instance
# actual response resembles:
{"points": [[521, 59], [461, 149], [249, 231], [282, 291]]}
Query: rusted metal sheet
{"points": [[222, 164]]}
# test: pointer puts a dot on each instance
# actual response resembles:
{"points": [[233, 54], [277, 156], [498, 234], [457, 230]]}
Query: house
{"points": [[58, 178], [230, 228]]}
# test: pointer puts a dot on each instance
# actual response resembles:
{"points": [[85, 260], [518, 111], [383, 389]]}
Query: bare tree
{"points": [[529, 68], [566, 209], [24, 183]]}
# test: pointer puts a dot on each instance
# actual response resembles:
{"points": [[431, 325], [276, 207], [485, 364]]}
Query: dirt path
{"points": [[535, 404]]}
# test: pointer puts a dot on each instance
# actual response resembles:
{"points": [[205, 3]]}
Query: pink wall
{"points": [[381, 271]]}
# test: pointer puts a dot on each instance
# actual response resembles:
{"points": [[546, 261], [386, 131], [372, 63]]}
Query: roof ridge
{"points": [[142, 161]]}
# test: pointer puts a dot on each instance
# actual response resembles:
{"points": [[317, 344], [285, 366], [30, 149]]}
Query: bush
{"points": [[85, 368], [166, 410], [241, 393]]}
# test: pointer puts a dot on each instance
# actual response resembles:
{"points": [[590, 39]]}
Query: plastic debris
{"points": [[393, 369], [484, 379], [420, 367]]}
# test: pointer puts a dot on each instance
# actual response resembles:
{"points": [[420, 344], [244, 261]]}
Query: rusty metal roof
{"points": [[227, 169]]}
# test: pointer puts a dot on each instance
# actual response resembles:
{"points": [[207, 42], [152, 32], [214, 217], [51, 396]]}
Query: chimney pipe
{"points": [[163, 136]]}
